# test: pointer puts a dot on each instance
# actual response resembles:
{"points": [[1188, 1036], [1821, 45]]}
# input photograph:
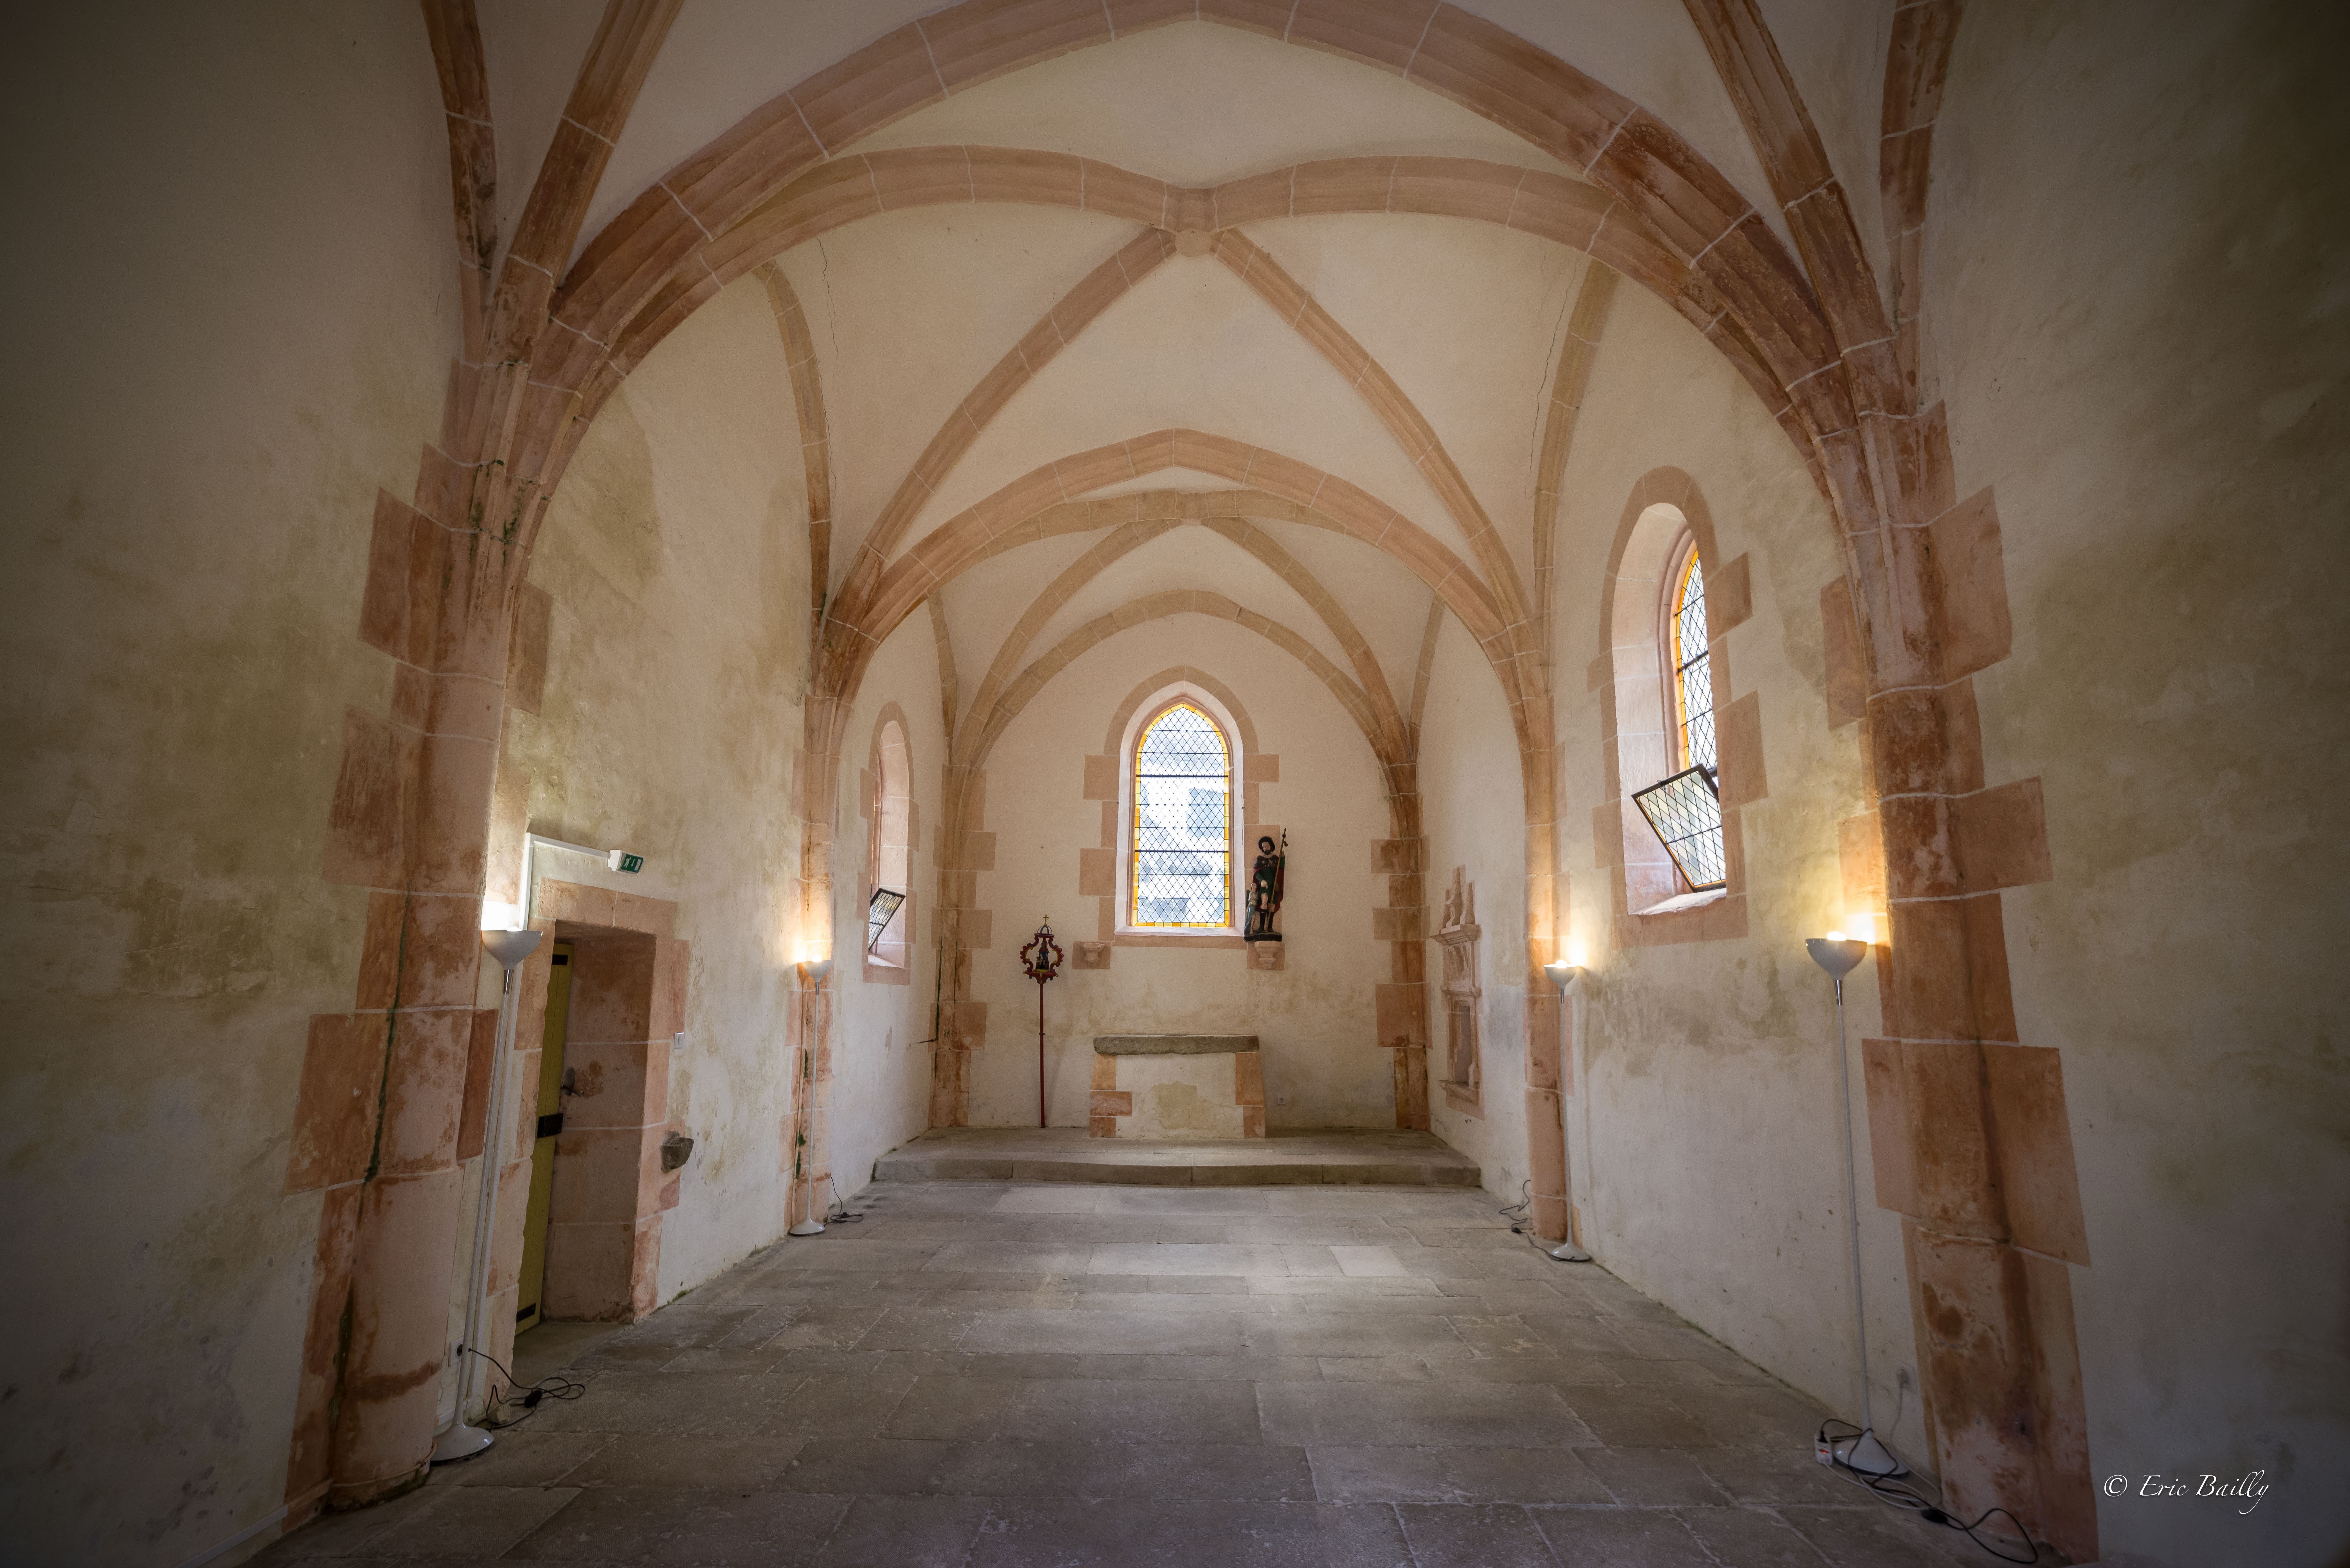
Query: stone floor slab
{"points": [[987, 1374]]}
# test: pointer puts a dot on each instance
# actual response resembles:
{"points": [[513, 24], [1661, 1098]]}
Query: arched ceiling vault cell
{"points": [[1195, 346], [1403, 420], [928, 318], [1037, 347]]}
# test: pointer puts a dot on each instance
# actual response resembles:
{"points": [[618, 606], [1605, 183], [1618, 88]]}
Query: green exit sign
{"points": [[623, 861]]}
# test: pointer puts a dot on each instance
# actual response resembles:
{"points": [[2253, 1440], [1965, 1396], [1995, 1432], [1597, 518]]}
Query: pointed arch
{"points": [[1387, 738], [1032, 680]]}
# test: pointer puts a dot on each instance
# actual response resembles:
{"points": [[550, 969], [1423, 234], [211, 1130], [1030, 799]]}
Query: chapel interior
{"points": [[1363, 784]]}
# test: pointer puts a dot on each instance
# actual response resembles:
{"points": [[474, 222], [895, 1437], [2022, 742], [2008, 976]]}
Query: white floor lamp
{"points": [[461, 1440], [1839, 955], [812, 973], [1568, 979]]}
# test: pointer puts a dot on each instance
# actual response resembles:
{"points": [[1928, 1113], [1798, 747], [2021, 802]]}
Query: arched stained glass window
{"points": [[1182, 849], [1685, 807], [1693, 675]]}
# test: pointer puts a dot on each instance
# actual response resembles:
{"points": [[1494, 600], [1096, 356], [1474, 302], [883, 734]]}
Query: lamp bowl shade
{"points": [[510, 948], [1838, 958]]}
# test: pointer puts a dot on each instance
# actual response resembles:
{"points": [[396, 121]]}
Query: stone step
{"points": [[1336, 1157]]}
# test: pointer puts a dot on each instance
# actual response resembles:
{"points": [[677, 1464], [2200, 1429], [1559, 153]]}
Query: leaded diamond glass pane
{"points": [[1182, 821], [1693, 674], [1686, 816], [879, 910]]}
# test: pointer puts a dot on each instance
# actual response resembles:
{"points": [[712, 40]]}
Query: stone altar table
{"points": [[1177, 1086]]}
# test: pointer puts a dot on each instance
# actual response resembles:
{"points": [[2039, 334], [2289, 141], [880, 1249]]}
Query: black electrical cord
{"points": [[1901, 1494], [1520, 1221], [843, 1216], [562, 1389]]}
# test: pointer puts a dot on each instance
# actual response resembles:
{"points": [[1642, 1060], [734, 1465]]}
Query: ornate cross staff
{"points": [[1041, 961]]}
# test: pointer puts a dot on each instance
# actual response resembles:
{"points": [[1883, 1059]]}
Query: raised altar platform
{"points": [[1327, 1157], [1177, 1086]]}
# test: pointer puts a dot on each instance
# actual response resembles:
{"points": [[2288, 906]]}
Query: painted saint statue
{"points": [[1265, 889]]}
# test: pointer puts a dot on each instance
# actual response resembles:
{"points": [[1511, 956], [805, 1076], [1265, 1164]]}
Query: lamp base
{"points": [[807, 1228], [462, 1442], [1867, 1455], [1568, 1252]]}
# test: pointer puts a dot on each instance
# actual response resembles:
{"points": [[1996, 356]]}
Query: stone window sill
{"points": [[1683, 902], [1144, 937]]}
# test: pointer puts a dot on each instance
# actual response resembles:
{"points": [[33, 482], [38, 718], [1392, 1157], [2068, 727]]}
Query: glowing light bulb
{"points": [[1838, 936]]}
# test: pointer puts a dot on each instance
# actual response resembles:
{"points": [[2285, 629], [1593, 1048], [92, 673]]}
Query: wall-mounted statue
{"points": [[1265, 887]]}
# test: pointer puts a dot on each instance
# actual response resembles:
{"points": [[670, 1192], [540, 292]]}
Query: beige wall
{"points": [[1701, 1131], [234, 303], [1322, 1067], [675, 552], [1473, 807], [2143, 343], [881, 1041]]}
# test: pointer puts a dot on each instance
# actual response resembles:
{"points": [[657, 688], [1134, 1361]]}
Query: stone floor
{"points": [[1329, 1156], [988, 1374]]}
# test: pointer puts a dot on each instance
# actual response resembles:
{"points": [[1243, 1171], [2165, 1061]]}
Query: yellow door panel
{"points": [[542, 1153]]}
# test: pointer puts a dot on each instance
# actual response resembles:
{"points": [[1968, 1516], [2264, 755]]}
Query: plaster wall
{"points": [[233, 326], [2143, 344], [1473, 807], [675, 552], [1703, 1126], [1322, 1067], [881, 1032]]}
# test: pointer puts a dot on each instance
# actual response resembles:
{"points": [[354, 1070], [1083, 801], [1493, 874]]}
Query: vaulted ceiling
{"points": [[1347, 296]]}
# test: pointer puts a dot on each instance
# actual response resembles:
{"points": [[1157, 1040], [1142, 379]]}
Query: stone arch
{"points": [[1390, 740], [1039, 673], [858, 626]]}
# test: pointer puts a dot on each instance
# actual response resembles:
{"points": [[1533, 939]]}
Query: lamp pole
{"points": [[1867, 1453], [811, 999], [1568, 979], [463, 1440]]}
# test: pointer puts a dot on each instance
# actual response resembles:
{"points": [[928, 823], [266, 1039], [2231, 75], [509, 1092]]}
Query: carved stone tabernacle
{"points": [[1457, 938]]}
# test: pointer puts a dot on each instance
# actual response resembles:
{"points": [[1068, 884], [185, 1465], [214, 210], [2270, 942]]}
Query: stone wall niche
{"points": [[1463, 998]]}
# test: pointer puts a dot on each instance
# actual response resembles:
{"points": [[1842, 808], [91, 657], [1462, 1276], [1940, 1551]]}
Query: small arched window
{"points": [[889, 872], [1180, 852], [1685, 806], [1693, 677]]}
